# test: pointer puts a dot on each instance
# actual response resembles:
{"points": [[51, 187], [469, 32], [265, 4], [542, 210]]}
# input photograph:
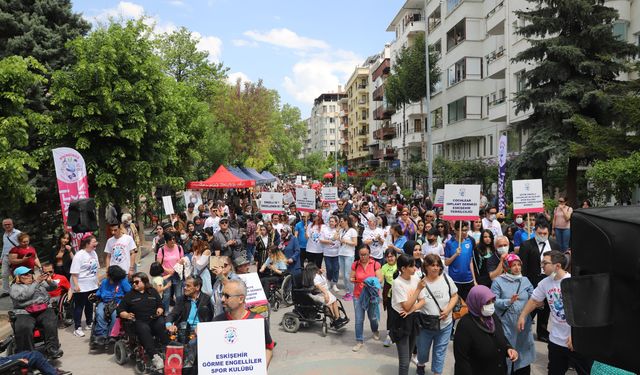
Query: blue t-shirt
{"points": [[107, 291], [302, 238], [521, 236], [459, 270], [399, 243]]}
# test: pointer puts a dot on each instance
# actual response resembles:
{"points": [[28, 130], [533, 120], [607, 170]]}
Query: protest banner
{"points": [[232, 347], [461, 202], [271, 203], [527, 196], [193, 196], [168, 205], [330, 194], [305, 200], [255, 293], [439, 201]]}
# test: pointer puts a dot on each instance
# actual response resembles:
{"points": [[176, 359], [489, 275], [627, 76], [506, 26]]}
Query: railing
{"points": [[383, 68], [361, 86], [495, 9], [433, 23], [498, 97], [495, 55], [385, 133], [363, 131], [378, 94]]}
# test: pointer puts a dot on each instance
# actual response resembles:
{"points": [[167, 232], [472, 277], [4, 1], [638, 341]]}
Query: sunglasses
{"points": [[440, 226], [48, 273], [227, 295], [137, 282]]}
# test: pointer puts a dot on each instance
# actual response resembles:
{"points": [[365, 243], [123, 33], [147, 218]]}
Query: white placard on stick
{"points": [[271, 203], [330, 194], [439, 201], [232, 347], [461, 202], [305, 200], [193, 196], [527, 196], [255, 293], [168, 205]]}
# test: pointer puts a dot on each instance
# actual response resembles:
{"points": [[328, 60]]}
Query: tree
{"points": [[617, 178], [115, 107], [40, 28], [287, 139], [315, 165], [464, 172], [577, 58], [19, 79]]}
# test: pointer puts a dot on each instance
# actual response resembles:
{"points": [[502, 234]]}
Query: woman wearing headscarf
{"points": [[480, 347], [512, 292]]}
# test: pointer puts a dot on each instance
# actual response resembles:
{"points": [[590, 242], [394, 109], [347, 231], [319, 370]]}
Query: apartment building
{"points": [[323, 133], [381, 131], [357, 100]]}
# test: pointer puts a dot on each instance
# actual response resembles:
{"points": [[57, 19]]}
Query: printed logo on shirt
{"points": [[92, 267], [315, 237], [554, 296], [118, 253]]}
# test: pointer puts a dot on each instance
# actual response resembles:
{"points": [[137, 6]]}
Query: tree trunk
{"points": [[103, 229], [572, 181]]}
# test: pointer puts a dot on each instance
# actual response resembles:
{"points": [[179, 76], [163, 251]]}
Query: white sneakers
{"points": [[387, 342], [357, 347], [157, 362], [376, 336], [78, 332], [88, 327], [335, 288]]}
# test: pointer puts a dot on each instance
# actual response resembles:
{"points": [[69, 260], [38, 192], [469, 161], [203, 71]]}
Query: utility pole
{"points": [[427, 106]]}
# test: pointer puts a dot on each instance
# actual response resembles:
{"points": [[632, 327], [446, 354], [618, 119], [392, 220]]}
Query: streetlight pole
{"points": [[335, 124], [427, 105]]}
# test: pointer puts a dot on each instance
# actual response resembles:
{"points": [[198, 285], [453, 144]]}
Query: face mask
{"points": [[553, 274], [492, 217], [541, 238], [519, 221], [183, 236], [488, 310], [500, 219], [503, 250], [516, 276]]}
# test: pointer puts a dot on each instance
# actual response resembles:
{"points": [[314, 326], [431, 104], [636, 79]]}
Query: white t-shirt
{"points": [[327, 234], [377, 247], [550, 289], [493, 226], [322, 281], [213, 222], [313, 242], [120, 250], [401, 290], [278, 227], [440, 290], [348, 235], [86, 265]]}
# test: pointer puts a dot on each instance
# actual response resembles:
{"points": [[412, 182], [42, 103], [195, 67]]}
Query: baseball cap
{"points": [[22, 270], [224, 219], [371, 217], [239, 261]]}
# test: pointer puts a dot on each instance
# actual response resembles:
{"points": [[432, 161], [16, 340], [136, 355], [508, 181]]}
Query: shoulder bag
{"points": [[460, 309], [430, 322]]}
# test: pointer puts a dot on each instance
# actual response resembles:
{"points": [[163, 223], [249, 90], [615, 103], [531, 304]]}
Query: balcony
{"points": [[389, 153], [495, 19], [384, 112], [361, 86], [363, 131], [342, 141], [385, 133], [496, 63], [363, 148], [382, 70], [498, 107], [378, 94]]}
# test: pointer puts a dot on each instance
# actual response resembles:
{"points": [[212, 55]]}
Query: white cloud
{"points": [[319, 74], [286, 38], [124, 10], [177, 3], [233, 78], [244, 43], [211, 44]]}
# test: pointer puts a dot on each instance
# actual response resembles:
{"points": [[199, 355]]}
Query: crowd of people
{"points": [[480, 284]]}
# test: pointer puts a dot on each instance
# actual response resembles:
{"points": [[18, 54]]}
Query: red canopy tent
{"points": [[222, 179]]}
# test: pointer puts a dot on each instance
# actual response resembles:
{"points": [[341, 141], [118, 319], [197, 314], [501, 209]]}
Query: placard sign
{"points": [[232, 347], [193, 196], [255, 293], [305, 200], [168, 205], [439, 201], [461, 202], [527, 196], [330, 194], [271, 203]]}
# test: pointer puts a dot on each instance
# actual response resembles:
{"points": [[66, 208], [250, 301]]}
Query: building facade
{"points": [[357, 98], [323, 134]]}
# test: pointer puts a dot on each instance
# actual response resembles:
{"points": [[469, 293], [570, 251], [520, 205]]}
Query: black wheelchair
{"points": [[278, 289], [306, 311], [38, 341], [128, 348]]}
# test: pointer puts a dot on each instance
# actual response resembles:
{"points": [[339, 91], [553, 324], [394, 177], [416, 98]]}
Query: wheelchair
{"points": [[111, 340], [306, 311], [63, 307], [278, 289], [38, 338], [128, 348]]}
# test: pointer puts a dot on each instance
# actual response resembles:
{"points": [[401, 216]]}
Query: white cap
{"points": [[371, 217]]}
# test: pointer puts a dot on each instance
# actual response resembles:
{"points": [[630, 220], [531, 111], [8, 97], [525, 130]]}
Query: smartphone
{"points": [[28, 255], [216, 261]]}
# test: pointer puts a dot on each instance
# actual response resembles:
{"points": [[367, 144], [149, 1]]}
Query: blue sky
{"points": [[300, 48]]}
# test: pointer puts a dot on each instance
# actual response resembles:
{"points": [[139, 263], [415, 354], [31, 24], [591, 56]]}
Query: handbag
{"points": [[460, 309], [36, 308], [430, 322]]}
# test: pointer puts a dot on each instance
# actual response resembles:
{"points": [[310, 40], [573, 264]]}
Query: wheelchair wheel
{"points": [[120, 352], [286, 290], [325, 329], [290, 323], [140, 368], [11, 349]]}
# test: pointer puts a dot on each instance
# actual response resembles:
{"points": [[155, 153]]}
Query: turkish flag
{"points": [[173, 359]]}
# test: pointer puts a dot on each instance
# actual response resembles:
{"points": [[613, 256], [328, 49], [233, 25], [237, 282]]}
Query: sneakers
{"points": [[78, 332], [387, 342], [88, 327], [376, 336], [357, 347], [420, 370], [335, 289], [157, 362], [414, 359], [348, 297]]}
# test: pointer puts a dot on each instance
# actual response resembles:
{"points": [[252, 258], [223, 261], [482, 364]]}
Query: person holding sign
{"points": [[234, 295], [458, 257]]}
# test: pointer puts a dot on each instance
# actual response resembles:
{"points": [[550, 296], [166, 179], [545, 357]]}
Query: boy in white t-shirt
{"points": [[560, 346], [119, 249]]}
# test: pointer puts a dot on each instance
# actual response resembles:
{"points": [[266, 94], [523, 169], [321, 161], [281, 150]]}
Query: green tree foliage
{"points": [[617, 177], [463, 172], [287, 136], [39, 28], [577, 59], [19, 79], [315, 165]]}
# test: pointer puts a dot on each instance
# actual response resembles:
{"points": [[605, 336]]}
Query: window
{"points": [[466, 68], [453, 4], [521, 82], [417, 125], [490, 145], [435, 19], [331, 120], [324, 109], [456, 35], [478, 148], [620, 29], [457, 110], [332, 108], [331, 143], [436, 118], [332, 131], [437, 47]]}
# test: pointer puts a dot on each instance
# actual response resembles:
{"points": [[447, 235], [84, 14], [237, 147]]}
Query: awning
{"points": [[222, 179], [268, 176], [238, 172], [254, 175]]}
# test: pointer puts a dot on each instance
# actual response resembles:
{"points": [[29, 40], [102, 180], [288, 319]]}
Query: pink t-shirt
{"points": [[362, 273], [170, 256], [559, 219]]}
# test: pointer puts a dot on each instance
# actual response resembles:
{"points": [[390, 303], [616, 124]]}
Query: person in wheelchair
{"points": [[109, 294], [31, 306], [192, 308], [316, 283], [143, 306], [62, 288], [33, 360], [274, 268]]}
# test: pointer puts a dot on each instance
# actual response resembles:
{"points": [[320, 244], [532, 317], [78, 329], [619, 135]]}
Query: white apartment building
{"points": [[323, 133], [473, 104]]}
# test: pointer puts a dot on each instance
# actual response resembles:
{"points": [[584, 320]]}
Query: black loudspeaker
{"points": [[82, 216], [602, 298]]}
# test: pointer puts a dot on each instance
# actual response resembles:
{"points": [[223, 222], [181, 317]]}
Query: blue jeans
{"points": [[333, 269], [36, 361], [359, 312], [251, 249], [175, 290], [345, 266], [102, 326], [440, 340], [563, 236]]}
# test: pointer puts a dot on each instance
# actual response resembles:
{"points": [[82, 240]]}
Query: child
{"points": [[158, 281]]}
